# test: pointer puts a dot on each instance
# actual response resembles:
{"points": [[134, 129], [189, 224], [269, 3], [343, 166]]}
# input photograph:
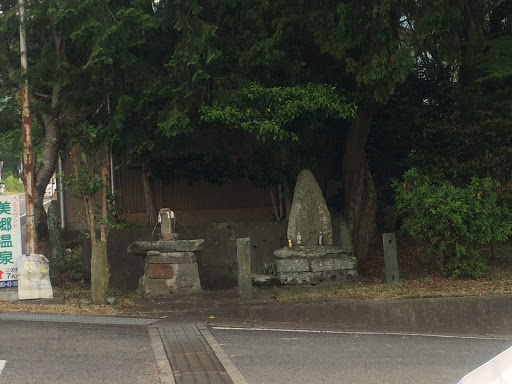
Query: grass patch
{"points": [[70, 276], [77, 300], [425, 287]]}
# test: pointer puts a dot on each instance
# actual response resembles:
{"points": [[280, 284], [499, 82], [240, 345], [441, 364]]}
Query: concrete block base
{"points": [[313, 265], [168, 273], [262, 280]]}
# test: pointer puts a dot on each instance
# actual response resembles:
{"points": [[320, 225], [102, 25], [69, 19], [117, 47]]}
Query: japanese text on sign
{"points": [[10, 240]]}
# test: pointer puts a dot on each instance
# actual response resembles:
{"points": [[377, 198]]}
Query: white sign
{"points": [[10, 240], [34, 278]]}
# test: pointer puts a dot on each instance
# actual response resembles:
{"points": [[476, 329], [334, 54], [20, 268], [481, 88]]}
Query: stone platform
{"points": [[314, 264]]}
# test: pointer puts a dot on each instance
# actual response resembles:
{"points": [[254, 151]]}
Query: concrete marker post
{"points": [[243, 256], [390, 258]]}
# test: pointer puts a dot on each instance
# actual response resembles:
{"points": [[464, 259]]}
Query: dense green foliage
{"points": [[454, 221], [254, 91], [270, 111]]}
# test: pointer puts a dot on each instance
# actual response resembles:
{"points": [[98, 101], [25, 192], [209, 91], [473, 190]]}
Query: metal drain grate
{"points": [[83, 319]]}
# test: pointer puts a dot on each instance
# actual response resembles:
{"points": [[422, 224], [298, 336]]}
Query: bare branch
{"points": [[111, 14], [42, 95]]}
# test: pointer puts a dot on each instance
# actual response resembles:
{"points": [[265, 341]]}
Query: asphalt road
{"points": [[268, 357], [73, 353], [62, 353]]}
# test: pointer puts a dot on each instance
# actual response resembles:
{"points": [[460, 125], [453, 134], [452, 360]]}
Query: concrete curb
{"points": [[224, 359], [480, 315], [164, 367]]}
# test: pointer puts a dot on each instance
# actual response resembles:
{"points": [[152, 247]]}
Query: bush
{"points": [[453, 221], [69, 267], [13, 185]]}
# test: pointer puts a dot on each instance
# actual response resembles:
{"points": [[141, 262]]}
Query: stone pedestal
{"points": [[314, 264], [170, 267]]}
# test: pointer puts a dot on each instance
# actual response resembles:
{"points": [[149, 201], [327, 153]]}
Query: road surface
{"points": [[268, 357], [64, 353], [69, 353]]}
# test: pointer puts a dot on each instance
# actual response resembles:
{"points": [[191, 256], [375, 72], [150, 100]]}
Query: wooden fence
{"points": [[178, 195]]}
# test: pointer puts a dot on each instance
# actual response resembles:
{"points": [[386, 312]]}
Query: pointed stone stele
{"points": [[311, 263], [309, 215]]}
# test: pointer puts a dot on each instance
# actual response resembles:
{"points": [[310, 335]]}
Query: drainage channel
{"points": [[191, 357], [82, 319]]}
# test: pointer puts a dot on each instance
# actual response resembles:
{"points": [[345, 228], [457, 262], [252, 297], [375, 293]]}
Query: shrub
{"points": [[69, 267], [13, 185], [454, 221]]}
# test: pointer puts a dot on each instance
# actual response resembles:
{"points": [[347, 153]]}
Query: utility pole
{"points": [[28, 158]]}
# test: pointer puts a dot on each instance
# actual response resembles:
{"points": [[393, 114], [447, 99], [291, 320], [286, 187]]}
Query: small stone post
{"points": [[346, 241], [54, 231], [166, 218], [243, 255], [390, 257]]}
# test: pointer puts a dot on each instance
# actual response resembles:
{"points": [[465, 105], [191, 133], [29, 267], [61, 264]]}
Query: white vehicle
{"points": [[51, 187], [496, 371]]}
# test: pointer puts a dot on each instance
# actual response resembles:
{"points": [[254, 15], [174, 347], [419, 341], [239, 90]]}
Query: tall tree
{"points": [[47, 75], [361, 48]]}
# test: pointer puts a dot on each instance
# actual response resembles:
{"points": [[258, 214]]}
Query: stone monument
{"points": [[313, 260], [309, 215], [170, 266]]}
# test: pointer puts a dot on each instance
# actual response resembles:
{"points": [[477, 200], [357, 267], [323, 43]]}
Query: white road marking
{"points": [[233, 373], [2, 365], [361, 333]]}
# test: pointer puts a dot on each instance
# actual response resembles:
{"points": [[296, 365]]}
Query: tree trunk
{"points": [[274, 204], [360, 193], [105, 173], [288, 193], [99, 272], [149, 198], [100, 269], [45, 172], [288, 198]]}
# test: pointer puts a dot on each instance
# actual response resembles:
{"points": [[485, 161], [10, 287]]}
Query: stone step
{"points": [[316, 265], [313, 278], [311, 251], [263, 280]]}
